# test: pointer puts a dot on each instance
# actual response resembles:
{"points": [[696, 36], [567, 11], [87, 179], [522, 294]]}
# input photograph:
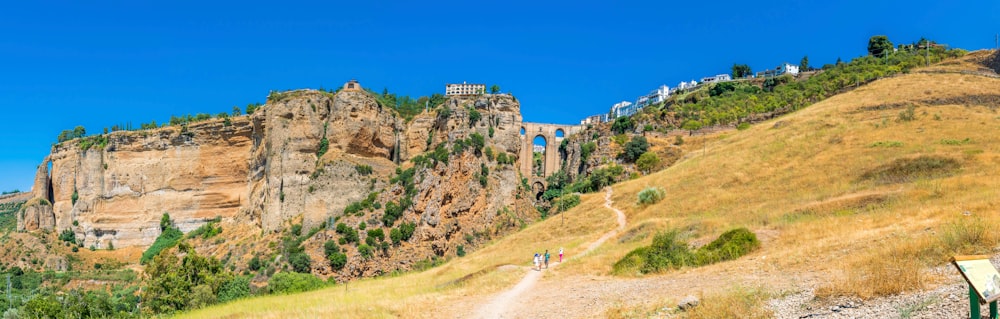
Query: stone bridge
{"points": [[553, 135]]}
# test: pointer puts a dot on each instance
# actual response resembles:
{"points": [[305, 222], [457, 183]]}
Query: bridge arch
{"points": [[553, 135]]}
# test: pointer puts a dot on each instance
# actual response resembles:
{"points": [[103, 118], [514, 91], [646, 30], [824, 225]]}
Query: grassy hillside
{"points": [[856, 195]]}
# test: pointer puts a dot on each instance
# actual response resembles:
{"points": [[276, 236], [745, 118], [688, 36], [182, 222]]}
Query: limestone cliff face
{"points": [[267, 169], [116, 194]]}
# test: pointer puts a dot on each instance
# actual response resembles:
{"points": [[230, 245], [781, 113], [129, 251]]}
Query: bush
{"points": [[396, 235], [364, 170], [647, 162], [406, 230], [289, 282], [668, 251], [324, 146], [337, 260], [566, 202], [460, 251], [742, 126], [635, 148], [300, 262], [235, 288], [254, 263], [730, 245], [651, 195], [68, 235], [622, 125], [392, 213], [168, 238], [366, 251]]}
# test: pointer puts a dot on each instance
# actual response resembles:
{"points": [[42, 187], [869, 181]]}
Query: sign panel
{"points": [[981, 275]]}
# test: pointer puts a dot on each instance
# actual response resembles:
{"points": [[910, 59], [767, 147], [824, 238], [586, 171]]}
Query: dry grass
{"points": [[798, 185], [415, 295], [738, 302]]}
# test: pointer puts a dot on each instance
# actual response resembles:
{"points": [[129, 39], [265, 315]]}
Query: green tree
{"points": [[804, 64], [236, 111], [634, 148], [741, 71], [647, 162], [79, 131], [879, 45], [494, 89], [622, 124]]}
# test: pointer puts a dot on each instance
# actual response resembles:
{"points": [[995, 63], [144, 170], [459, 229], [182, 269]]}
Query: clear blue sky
{"points": [[100, 63]]}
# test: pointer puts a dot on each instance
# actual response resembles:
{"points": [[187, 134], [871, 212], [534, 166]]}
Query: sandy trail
{"points": [[500, 306]]}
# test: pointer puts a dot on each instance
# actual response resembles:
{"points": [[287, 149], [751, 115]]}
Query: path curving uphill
{"points": [[498, 306]]}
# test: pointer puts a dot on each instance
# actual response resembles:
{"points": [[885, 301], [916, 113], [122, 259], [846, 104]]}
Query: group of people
{"points": [[540, 259]]}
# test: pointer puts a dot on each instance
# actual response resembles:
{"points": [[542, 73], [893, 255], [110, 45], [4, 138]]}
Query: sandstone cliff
{"points": [[266, 170]]}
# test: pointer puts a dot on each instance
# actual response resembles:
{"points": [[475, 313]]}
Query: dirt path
{"points": [[501, 305]]}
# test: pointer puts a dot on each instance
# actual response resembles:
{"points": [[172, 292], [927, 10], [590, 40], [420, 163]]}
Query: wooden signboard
{"points": [[981, 276]]}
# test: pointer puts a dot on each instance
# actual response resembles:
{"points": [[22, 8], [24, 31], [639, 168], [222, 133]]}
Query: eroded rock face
{"points": [[267, 169], [36, 214]]}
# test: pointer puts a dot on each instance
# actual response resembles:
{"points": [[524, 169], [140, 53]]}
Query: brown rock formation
{"points": [[266, 170]]}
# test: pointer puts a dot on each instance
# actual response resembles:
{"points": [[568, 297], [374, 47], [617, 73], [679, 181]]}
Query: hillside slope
{"points": [[859, 197]]}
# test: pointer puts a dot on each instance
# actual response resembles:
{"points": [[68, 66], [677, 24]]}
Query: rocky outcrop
{"points": [[305, 155], [36, 214]]}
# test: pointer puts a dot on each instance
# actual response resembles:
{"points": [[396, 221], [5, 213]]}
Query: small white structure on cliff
{"points": [[464, 89]]}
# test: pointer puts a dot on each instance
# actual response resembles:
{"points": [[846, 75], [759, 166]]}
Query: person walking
{"points": [[535, 260], [560, 254], [546, 259]]}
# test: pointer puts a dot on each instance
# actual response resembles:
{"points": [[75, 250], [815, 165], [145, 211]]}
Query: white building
{"points": [[538, 148], [594, 119], [687, 85], [788, 68], [654, 97], [623, 108], [464, 89], [717, 78]]}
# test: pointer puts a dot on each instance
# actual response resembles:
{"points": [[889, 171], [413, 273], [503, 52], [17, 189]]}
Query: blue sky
{"points": [[101, 63]]}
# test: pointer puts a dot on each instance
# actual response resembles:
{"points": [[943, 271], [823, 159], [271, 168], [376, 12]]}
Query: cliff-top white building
{"points": [[464, 89]]}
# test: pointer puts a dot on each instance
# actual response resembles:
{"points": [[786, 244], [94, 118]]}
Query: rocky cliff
{"points": [[304, 157]]}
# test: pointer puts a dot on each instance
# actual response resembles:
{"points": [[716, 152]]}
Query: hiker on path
{"points": [[536, 261], [560, 254], [546, 259]]}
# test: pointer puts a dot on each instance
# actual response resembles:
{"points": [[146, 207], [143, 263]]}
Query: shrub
{"points": [[667, 252], [68, 235], [235, 288], [300, 262], [297, 229], [337, 260], [330, 247], [168, 238], [392, 213], [622, 124], [647, 162], [396, 235], [406, 230], [254, 263], [566, 202], [376, 234], [586, 149], [289, 282], [365, 250], [651, 195], [364, 170], [634, 148], [730, 245], [743, 126], [460, 251], [324, 146]]}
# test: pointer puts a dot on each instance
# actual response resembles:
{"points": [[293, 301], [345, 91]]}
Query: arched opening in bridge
{"points": [[522, 131], [560, 133], [538, 147], [538, 189]]}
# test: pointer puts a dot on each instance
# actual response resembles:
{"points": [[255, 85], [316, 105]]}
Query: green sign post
{"points": [[984, 283]]}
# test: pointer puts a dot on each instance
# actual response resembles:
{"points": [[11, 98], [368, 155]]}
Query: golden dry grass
{"points": [[417, 295], [795, 180], [737, 302]]}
